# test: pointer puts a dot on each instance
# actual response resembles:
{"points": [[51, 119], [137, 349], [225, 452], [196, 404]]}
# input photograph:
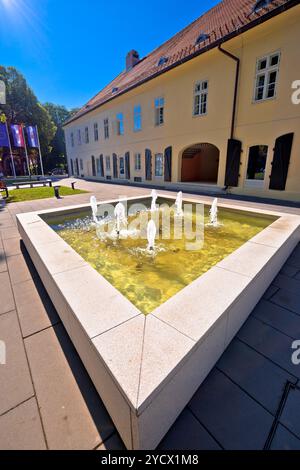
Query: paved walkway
{"points": [[251, 399]]}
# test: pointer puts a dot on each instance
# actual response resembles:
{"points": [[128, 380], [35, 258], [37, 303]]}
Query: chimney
{"points": [[132, 59]]}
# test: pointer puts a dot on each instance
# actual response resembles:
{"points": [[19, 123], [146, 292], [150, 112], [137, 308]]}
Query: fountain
{"points": [[213, 214], [178, 205], [151, 234], [119, 213], [94, 207], [154, 196]]}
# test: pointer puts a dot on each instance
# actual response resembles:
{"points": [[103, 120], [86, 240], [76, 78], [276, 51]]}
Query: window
{"points": [[261, 4], [137, 162], [79, 136], [122, 167], [162, 61], [159, 104], [86, 133], [96, 132], [200, 98], [201, 38], [81, 164], [267, 69], [107, 163], [159, 165], [72, 139], [98, 166], [137, 118], [106, 129], [257, 163], [120, 124]]}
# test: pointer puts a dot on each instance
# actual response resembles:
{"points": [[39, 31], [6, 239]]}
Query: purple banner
{"points": [[17, 134], [32, 136], [4, 138]]}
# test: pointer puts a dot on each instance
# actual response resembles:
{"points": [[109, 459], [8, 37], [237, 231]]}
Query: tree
{"points": [[22, 106], [57, 155]]}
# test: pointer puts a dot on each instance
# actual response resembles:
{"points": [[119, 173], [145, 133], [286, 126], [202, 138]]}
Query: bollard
{"points": [[73, 185], [56, 191]]}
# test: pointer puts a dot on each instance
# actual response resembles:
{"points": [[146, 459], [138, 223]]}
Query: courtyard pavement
{"points": [[250, 400]]}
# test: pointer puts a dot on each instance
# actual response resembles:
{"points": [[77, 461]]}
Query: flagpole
{"points": [[26, 153], [38, 139], [10, 150]]}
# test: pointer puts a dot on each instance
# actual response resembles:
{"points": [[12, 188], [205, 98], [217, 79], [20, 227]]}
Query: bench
{"points": [[3, 187], [33, 184]]}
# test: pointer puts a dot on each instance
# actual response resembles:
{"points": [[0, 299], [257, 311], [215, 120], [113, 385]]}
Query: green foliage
{"points": [[30, 194], [23, 107]]}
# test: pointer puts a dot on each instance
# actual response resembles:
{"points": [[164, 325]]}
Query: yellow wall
{"points": [[256, 123]]}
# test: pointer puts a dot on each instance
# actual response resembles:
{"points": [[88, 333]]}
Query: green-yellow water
{"points": [[149, 280]]}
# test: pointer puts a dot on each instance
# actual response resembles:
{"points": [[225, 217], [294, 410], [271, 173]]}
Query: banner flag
{"points": [[4, 138], [17, 134], [32, 136]]}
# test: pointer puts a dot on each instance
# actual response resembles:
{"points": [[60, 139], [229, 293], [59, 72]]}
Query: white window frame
{"points": [[106, 128], [252, 183], [96, 132], [137, 162], [266, 73], [160, 155], [159, 111], [137, 118], [201, 95]]}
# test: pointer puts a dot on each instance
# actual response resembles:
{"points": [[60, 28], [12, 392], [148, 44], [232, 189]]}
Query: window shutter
{"points": [[127, 165], [281, 161], [168, 164], [77, 167], [115, 165], [101, 166], [148, 157], [93, 166], [234, 150]]}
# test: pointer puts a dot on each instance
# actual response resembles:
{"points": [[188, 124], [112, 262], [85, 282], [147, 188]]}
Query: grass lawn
{"points": [[29, 194]]}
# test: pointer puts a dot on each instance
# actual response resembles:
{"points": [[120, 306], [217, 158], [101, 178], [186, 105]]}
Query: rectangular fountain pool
{"points": [[150, 279], [150, 322]]}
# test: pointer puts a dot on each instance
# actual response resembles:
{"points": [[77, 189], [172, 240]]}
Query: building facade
{"points": [[214, 107]]}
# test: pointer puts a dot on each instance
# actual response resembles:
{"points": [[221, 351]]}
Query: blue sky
{"points": [[69, 49]]}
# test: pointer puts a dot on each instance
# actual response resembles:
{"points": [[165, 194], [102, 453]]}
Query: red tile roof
{"points": [[227, 19]]}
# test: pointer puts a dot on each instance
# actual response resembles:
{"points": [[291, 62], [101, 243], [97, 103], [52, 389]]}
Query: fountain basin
{"points": [[146, 368]]}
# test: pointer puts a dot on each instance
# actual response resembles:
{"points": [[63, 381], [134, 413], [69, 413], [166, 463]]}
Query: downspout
{"points": [[237, 76]]}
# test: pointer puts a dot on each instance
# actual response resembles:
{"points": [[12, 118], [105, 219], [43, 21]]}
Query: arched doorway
{"points": [[200, 164]]}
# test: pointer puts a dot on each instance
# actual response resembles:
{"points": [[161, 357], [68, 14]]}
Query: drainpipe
{"points": [[237, 74]]}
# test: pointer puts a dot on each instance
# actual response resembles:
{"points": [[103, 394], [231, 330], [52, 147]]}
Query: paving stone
{"points": [[278, 317], [35, 309], [270, 292], [16, 385], [273, 344], [112, 443], [284, 440], [188, 434], [233, 418], [9, 232], [298, 276], [290, 416], [12, 246], [21, 429], [72, 412], [20, 269], [288, 300], [294, 259], [255, 374], [6, 296], [288, 284]]}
